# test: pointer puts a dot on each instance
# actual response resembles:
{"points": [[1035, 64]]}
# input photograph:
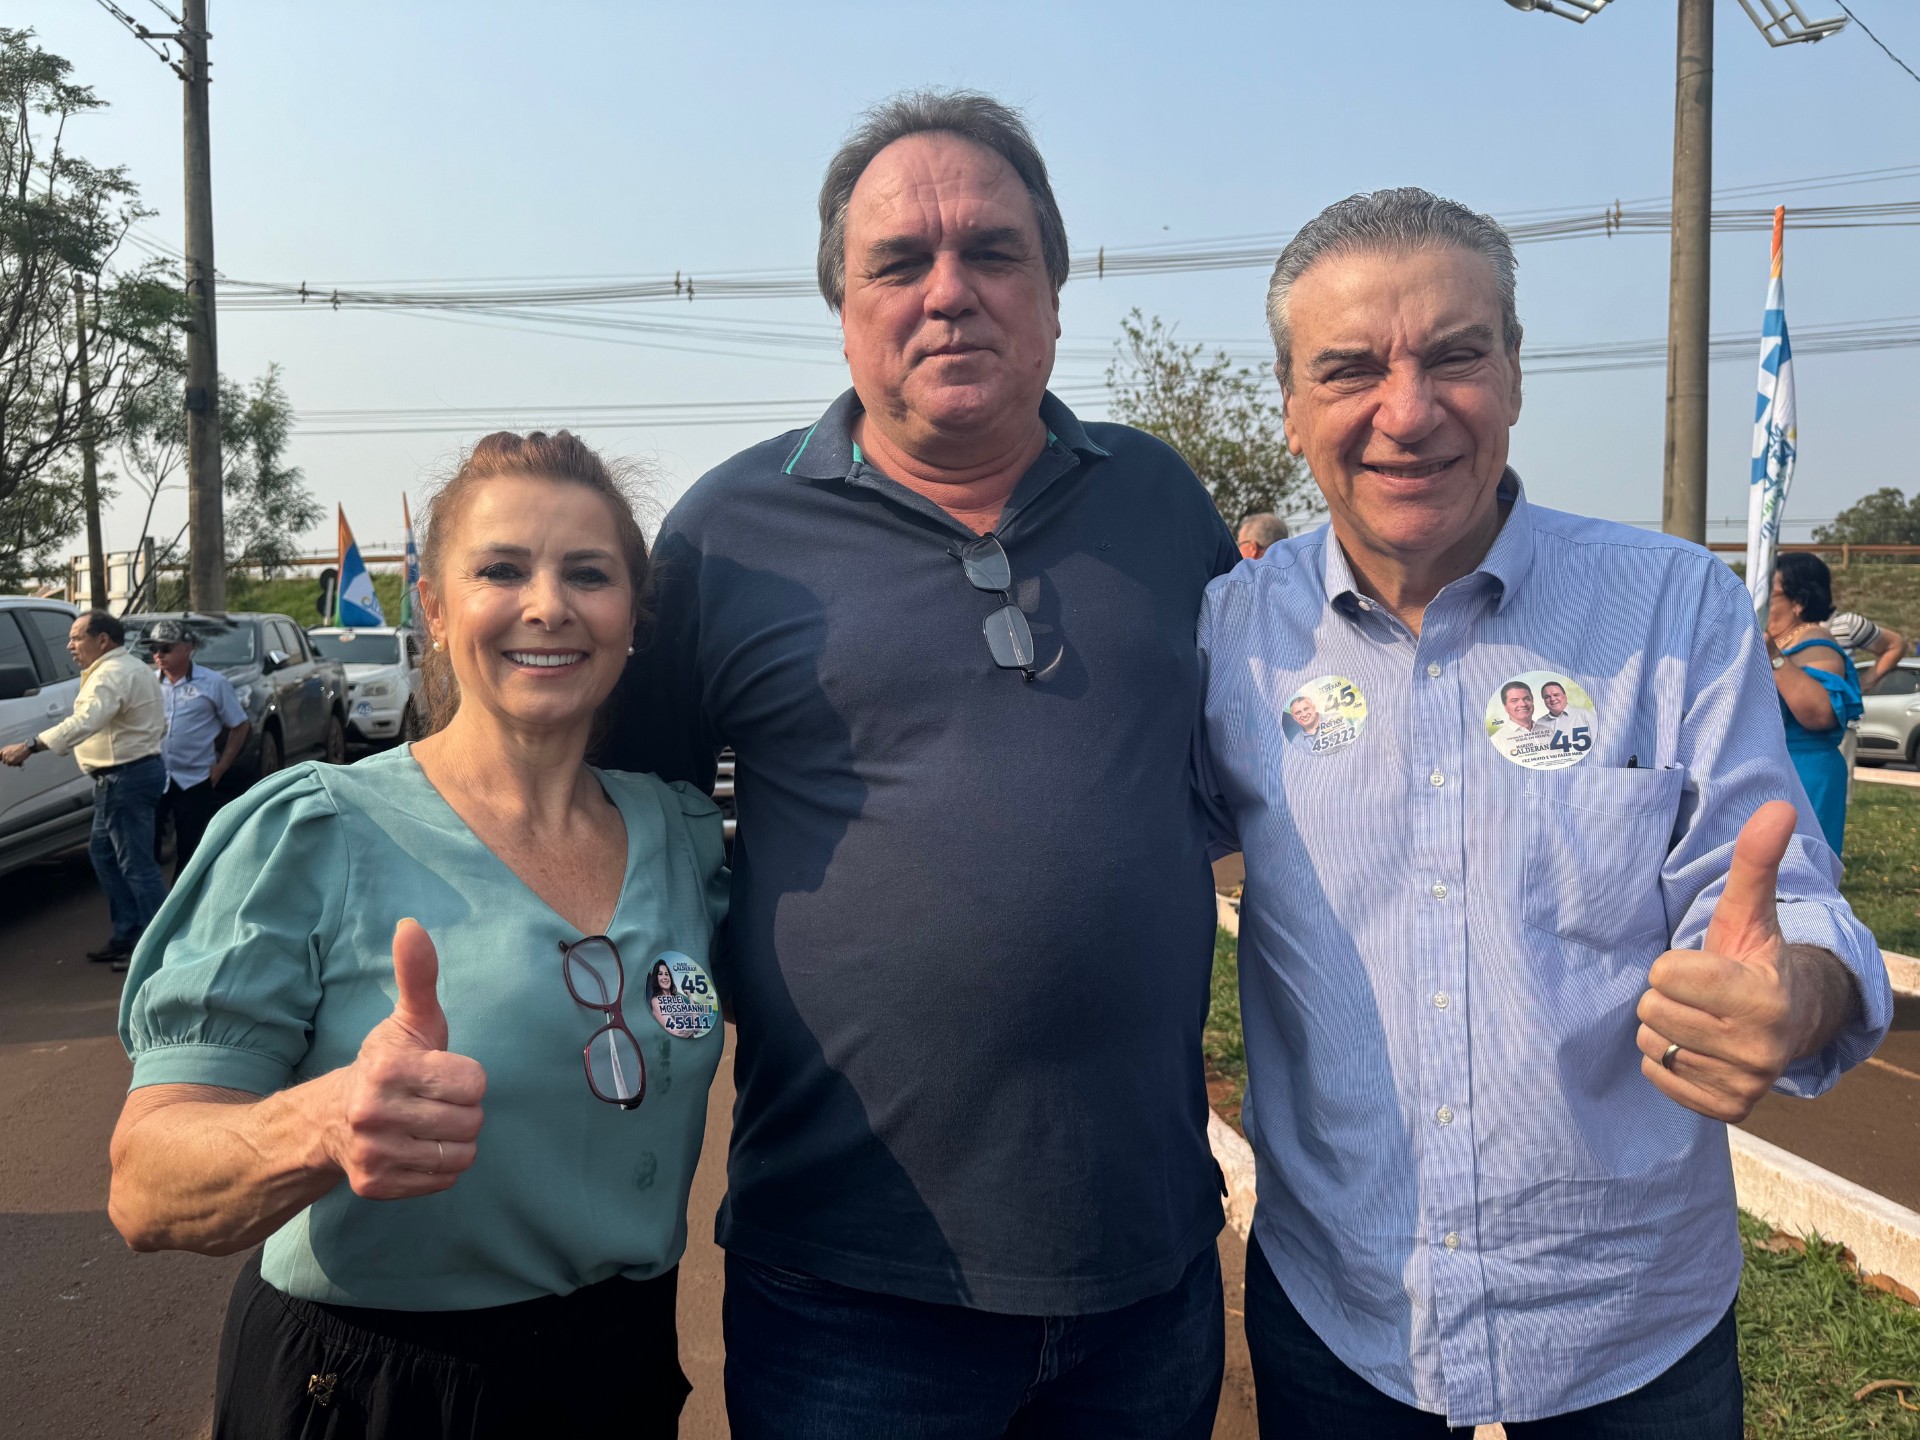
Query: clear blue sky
{"points": [[359, 142]]}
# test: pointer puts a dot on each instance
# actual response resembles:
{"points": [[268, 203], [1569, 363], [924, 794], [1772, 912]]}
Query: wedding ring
{"points": [[1666, 1060]]}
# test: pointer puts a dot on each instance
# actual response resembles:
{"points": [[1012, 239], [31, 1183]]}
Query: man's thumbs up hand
{"points": [[1746, 1005], [410, 1109]]}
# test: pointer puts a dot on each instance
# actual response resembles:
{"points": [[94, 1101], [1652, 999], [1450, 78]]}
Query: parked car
{"points": [[46, 805], [383, 675], [1890, 727], [296, 700]]}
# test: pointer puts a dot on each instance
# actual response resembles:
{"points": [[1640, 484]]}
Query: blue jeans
{"points": [[811, 1360], [121, 847], [1305, 1392]]}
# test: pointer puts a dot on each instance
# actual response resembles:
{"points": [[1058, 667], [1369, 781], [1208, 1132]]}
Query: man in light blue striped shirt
{"points": [[1504, 982]]}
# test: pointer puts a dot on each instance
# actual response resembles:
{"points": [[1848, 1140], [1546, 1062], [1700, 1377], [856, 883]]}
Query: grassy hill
{"points": [[1886, 593], [297, 596]]}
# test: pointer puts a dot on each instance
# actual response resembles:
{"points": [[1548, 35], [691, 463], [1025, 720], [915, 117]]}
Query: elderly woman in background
{"points": [[309, 1064], [1819, 689]]}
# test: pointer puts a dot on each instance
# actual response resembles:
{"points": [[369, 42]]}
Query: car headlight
{"points": [[373, 690]]}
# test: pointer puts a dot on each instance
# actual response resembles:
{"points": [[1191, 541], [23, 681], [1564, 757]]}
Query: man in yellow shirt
{"points": [[115, 733]]}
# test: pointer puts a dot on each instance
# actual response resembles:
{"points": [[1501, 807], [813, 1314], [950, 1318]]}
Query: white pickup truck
{"points": [[383, 676]]}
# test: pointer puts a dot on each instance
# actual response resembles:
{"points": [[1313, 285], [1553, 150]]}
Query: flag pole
{"points": [[1775, 435]]}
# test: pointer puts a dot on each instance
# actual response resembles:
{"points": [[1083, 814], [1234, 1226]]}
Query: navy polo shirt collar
{"points": [[827, 450]]}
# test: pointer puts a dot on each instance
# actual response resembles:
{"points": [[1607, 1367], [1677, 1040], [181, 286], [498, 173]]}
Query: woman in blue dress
{"points": [[1819, 690]]}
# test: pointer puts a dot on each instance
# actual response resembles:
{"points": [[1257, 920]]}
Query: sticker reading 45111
{"points": [[1325, 714], [1542, 720], [681, 997]]}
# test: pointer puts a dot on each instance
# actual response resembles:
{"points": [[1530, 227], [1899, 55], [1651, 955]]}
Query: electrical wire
{"points": [[1876, 39]]}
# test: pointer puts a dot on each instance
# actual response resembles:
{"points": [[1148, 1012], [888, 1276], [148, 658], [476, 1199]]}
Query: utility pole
{"points": [[206, 525], [1684, 508], [89, 470]]}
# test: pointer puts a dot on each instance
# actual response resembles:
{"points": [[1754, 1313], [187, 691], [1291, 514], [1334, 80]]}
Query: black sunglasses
{"points": [[1009, 638]]}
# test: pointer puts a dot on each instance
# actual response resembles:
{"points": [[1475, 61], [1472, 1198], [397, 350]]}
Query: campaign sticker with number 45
{"points": [[1542, 720], [1325, 714], [681, 997]]}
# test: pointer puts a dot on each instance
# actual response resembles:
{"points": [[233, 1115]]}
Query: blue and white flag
{"points": [[1775, 438], [357, 606]]}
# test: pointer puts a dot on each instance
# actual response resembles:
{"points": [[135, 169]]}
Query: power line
{"points": [[1876, 39], [1227, 254]]}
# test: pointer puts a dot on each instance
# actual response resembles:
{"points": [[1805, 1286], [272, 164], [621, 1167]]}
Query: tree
{"points": [[1216, 414], [268, 504], [1886, 517], [61, 219]]}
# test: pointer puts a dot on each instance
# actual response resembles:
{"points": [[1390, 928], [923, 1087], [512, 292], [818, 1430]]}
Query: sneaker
{"points": [[113, 950], [119, 965]]}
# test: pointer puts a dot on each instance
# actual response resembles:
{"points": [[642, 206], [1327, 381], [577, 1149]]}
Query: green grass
{"points": [[1811, 1334], [296, 596], [1880, 591], [1225, 1051], [1882, 880]]}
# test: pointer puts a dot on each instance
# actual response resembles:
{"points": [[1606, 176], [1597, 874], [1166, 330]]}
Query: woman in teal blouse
{"points": [[393, 1021]]}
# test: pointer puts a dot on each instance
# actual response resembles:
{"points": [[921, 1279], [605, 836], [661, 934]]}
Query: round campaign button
{"points": [[1325, 715], [680, 996], [1542, 720]]}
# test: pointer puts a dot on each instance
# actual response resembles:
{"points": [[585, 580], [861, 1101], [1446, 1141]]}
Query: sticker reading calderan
{"points": [[1541, 719]]}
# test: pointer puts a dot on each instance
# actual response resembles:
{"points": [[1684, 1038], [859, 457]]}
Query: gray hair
{"points": [[1265, 528], [1405, 219], [971, 116]]}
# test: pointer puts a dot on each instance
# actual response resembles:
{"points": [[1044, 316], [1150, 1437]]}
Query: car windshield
{"points": [[357, 647], [216, 642]]}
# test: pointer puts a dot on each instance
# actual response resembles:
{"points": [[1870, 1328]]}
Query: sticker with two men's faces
{"points": [[1325, 715], [1542, 720]]}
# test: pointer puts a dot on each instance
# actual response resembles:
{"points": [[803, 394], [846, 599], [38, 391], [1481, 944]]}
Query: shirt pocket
{"points": [[1596, 840]]}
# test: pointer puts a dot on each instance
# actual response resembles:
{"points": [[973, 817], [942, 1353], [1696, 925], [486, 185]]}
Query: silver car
{"points": [[46, 805], [1890, 728]]}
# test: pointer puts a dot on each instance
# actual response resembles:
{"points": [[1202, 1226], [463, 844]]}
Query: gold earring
{"points": [[438, 646]]}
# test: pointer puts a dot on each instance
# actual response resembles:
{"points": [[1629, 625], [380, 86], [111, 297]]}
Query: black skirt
{"points": [[605, 1359]]}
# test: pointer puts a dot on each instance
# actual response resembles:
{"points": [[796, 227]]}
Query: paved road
{"points": [[100, 1342]]}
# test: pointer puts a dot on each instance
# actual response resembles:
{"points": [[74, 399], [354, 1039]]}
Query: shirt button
{"points": [[1444, 1115], [1452, 1240], [1441, 999], [1433, 669], [1439, 891], [1436, 779]]}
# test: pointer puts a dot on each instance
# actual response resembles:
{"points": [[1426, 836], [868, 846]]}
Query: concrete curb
{"points": [[1902, 970], [1799, 1197]]}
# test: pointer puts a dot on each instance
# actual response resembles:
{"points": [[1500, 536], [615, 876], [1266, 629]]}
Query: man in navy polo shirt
{"points": [[948, 632]]}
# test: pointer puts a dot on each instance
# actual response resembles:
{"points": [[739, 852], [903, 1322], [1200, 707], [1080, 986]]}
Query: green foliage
{"points": [[62, 220], [268, 505], [1217, 415], [1886, 517]]}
